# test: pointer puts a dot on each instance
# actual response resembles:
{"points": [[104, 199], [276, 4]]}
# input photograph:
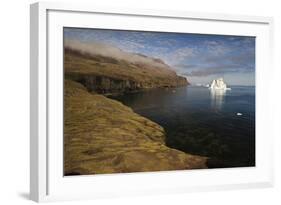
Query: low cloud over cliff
{"points": [[95, 48]]}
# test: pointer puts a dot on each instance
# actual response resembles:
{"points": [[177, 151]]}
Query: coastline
{"points": [[103, 136]]}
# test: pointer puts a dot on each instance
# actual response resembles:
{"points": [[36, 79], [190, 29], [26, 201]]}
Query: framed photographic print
{"points": [[127, 102]]}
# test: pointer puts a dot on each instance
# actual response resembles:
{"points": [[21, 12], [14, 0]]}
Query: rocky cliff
{"points": [[112, 75], [104, 136]]}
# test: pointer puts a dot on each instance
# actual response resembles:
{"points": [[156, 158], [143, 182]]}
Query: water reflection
{"points": [[193, 117], [217, 98]]}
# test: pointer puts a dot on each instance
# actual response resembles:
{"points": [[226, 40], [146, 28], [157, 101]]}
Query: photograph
{"points": [[148, 101]]}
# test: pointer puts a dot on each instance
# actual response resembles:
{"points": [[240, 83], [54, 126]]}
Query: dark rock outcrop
{"points": [[106, 84]]}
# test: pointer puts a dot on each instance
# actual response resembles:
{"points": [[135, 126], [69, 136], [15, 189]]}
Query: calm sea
{"points": [[202, 122]]}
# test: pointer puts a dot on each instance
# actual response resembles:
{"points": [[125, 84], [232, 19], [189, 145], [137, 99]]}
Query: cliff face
{"points": [[105, 84], [108, 75], [104, 136]]}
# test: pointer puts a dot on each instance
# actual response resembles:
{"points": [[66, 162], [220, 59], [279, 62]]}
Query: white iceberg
{"points": [[219, 84]]}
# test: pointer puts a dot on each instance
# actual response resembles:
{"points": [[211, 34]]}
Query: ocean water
{"points": [[201, 122]]}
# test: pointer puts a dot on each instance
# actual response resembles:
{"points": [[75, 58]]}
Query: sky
{"points": [[199, 57]]}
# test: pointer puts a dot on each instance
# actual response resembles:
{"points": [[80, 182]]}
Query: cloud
{"points": [[96, 48], [212, 70], [174, 57], [220, 57], [216, 48]]}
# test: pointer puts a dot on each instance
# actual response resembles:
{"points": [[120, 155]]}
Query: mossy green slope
{"points": [[104, 136]]}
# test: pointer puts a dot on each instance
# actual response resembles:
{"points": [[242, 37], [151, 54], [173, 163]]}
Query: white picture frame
{"points": [[46, 178]]}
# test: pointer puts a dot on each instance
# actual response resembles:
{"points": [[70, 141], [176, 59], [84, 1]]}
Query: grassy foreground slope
{"points": [[104, 136]]}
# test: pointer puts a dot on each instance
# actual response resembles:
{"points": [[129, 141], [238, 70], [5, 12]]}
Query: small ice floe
{"points": [[238, 114]]}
